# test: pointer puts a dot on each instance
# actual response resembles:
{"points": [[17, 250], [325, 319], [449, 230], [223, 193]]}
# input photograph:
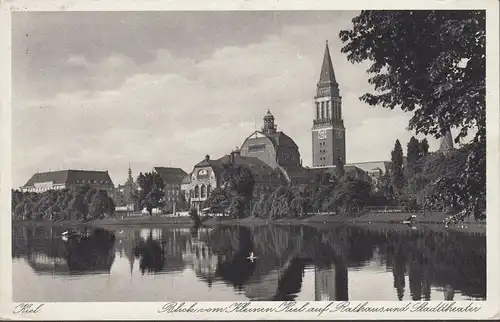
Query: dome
{"points": [[268, 115]]}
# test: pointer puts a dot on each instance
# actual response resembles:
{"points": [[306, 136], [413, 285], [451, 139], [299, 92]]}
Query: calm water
{"points": [[293, 263]]}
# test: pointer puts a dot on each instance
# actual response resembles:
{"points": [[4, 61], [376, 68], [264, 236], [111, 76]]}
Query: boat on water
{"points": [[75, 235], [410, 220]]}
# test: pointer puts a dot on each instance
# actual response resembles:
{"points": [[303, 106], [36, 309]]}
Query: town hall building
{"points": [[328, 131]]}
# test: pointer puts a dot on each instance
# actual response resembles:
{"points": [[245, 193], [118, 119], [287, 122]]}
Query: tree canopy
{"points": [[78, 203], [430, 63], [151, 193]]}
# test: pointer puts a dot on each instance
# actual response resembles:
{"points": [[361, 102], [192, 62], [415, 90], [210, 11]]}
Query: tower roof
{"points": [[327, 76], [269, 115]]}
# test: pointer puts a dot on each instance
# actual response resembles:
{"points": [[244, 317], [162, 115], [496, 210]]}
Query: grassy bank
{"points": [[390, 221]]}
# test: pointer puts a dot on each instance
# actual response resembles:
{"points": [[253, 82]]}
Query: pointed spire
{"points": [[327, 76], [446, 144]]}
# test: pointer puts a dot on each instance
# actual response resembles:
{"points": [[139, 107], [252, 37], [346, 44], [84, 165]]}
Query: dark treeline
{"points": [[244, 196], [428, 180], [79, 203]]}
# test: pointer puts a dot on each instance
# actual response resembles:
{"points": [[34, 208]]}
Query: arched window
{"points": [[327, 109], [196, 191], [203, 191], [317, 111], [322, 110], [209, 189]]}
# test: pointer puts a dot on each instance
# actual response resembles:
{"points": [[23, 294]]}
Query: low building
{"points": [[65, 179], [172, 180], [349, 169], [374, 169]]}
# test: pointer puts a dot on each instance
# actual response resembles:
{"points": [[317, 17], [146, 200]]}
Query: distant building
{"points": [[65, 179], [172, 179], [207, 175], [349, 169], [374, 169], [124, 194]]}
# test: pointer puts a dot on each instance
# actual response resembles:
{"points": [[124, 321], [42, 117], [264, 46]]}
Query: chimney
{"points": [[207, 157]]}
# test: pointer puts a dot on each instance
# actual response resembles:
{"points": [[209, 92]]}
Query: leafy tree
{"points": [[397, 167], [262, 206], [436, 71], [217, 200], [151, 191], [339, 168], [238, 186], [413, 151], [423, 148]]}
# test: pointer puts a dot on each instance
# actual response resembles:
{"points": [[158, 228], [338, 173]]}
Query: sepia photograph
{"points": [[249, 156]]}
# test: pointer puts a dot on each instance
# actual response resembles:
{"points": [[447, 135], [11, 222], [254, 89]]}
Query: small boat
{"points": [[73, 234], [410, 219]]}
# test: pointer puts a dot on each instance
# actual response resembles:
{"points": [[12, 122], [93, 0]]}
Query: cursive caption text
{"points": [[319, 308]]}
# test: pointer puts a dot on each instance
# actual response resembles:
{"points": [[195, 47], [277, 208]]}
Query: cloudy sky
{"points": [[95, 90]]}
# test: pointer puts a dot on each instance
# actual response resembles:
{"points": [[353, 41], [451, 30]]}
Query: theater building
{"points": [[208, 175]]}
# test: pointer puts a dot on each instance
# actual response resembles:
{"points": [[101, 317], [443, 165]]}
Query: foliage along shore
{"points": [[432, 221]]}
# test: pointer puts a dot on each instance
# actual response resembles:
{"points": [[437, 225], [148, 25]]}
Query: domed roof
{"points": [[282, 140], [268, 115]]}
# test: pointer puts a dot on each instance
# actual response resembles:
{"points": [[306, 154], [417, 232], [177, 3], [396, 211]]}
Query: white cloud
{"points": [[77, 60], [174, 110]]}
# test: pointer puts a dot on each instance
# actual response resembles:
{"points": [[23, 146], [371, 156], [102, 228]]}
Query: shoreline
{"points": [[378, 221]]}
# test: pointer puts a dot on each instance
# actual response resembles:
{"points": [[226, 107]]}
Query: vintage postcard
{"points": [[249, 160]]}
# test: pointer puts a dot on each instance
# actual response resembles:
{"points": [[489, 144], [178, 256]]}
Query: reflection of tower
{"points": [[330, 284], [129, 243]]}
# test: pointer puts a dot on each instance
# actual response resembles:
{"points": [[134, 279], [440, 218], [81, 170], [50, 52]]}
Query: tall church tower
{"points": [[328, 131]]}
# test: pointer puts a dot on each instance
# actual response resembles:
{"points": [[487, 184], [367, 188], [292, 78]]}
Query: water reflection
{"points": [[47, 253], [293, 263]]}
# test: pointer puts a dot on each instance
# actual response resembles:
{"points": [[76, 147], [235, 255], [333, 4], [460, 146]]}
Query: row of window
{"points": [[201, 191], [92, 182], [327, 110], [322, 158], [257, 148], [322, 151], [322, 143], [42, 189], [172, 192]]}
